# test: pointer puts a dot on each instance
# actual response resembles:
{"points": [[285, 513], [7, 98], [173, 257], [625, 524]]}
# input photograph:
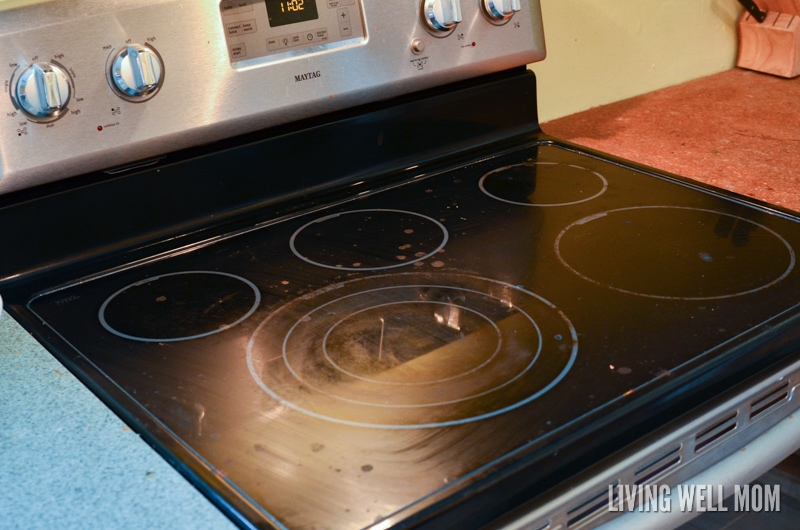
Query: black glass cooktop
{"points": [[352, 365]]}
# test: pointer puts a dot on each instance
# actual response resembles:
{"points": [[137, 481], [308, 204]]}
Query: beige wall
{"points": [[601, 51]]}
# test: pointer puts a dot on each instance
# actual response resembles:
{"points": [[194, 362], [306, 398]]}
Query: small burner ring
{"points": [[444, 305], [296, 370], [179, 306], [354, 241], [543, 184]]}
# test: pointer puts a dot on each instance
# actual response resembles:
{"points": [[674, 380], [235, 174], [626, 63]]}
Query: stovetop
{"points": [[363, 362], [352, 283]]}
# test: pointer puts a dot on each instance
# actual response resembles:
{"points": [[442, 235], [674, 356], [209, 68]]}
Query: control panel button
{"points": [[441, 16], [43, 91], [238, 51], [343, 15], [500, 11], [234, 7], [136, 72], [241, 28]]}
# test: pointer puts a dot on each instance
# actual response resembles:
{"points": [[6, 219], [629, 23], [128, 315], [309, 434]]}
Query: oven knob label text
{"points": [[420, 62]]}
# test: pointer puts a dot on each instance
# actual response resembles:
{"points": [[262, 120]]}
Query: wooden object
{"points": [[772, 46], [791, 7]]}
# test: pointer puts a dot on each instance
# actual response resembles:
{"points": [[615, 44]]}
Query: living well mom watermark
{"points": [[694, 498]]}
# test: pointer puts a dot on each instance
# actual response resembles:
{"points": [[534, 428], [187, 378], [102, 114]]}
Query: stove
{"points": [[390, 301]]}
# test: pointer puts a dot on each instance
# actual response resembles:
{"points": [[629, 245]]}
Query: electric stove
{"points": [[413, 312]]}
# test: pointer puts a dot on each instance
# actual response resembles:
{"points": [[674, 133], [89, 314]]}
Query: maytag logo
{"points": [[307, 76]]}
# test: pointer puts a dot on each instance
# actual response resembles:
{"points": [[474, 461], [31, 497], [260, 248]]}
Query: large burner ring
{"points": [[412, 350]]}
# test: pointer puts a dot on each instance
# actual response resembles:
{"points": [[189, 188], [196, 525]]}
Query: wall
{"points": [[601, 51]]}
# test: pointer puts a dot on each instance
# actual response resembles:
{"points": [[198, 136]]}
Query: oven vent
{"points": [[597, 503], [716, 431], [662, 463], [766, 402]]}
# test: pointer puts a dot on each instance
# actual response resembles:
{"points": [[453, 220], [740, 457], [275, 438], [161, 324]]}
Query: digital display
{"points": [[282, 12]]}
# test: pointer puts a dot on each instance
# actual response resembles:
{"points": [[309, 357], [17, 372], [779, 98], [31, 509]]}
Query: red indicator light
{"points": [[99, 127]]}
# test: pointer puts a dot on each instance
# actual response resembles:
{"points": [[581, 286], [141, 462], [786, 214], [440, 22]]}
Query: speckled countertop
{"points": [[738, 130], [68, 462]]}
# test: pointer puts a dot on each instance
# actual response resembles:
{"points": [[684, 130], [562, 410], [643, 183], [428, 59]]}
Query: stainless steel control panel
{"points": [[93, 85], [258, 31]]}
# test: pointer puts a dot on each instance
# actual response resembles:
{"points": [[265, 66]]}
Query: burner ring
{"points": [[236, 306], [299, 377], [538, 347], [388, 249], [334, 363], [557, 182], [651, 239]]}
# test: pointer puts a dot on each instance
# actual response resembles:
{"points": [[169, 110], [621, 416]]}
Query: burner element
{"points": [[400, 351], [179, 306], [368, 344], [368, 240], [674, 252], [543, 184]]}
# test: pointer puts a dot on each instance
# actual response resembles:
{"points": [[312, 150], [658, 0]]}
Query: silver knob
{"points": [[441, 16], [136, 72], [42, 91], [500, 10]]}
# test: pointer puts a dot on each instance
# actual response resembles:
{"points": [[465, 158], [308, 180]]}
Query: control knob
{"points": [[500, 11], [42, 91], [136, 72], [441, 16]]}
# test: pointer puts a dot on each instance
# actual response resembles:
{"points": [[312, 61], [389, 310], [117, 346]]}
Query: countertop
{"points": [[69, 463], [738, 130]]}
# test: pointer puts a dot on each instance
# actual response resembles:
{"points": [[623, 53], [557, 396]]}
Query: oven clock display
{"points": [[282, 12]]}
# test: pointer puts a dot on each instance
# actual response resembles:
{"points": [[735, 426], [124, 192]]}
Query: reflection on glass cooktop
{"points": [[343, 365]]}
